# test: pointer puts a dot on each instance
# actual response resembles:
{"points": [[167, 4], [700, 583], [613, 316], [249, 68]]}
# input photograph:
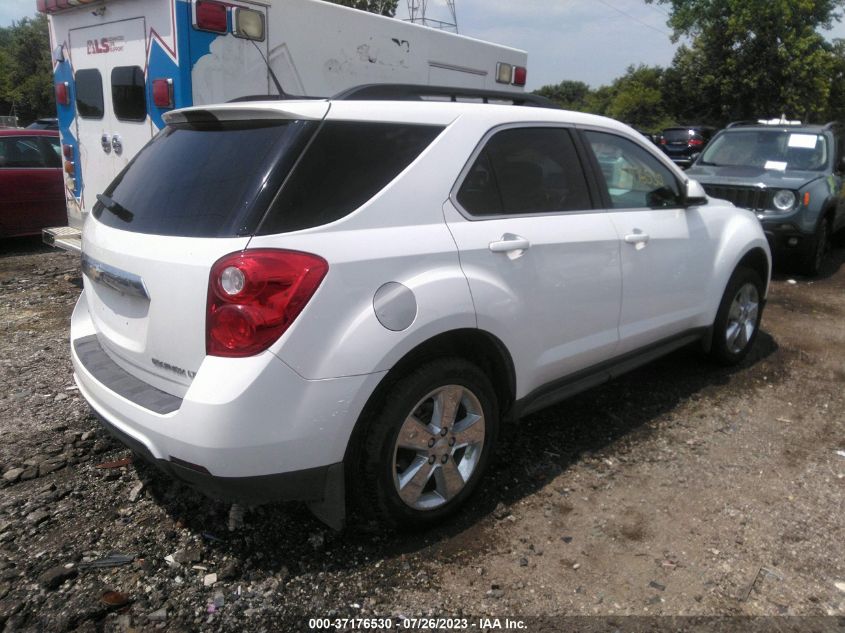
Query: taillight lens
{"points": [[663, 141], [520, 76], [67, 152], [212, 16], [62, 93], [695, 142], [163, 93], [255, 295]]}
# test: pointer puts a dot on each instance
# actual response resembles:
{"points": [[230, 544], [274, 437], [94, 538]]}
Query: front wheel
{"points": [[425, 450], [738, 319]]}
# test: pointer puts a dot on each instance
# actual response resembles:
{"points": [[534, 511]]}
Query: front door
{"points": [[111, 100], [667, 251]]}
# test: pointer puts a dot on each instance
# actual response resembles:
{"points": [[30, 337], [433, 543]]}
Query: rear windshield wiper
{"points": [[115, 207]]}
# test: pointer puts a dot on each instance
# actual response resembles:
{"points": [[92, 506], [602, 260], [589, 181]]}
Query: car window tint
{"points": [[89, 93], [345, 166], [524, 171], [204, 178], [634, 178], [17, 152], [128, 93]]}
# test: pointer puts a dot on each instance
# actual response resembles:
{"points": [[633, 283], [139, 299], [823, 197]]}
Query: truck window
{"points": [[128, 93], [89, 93], [347, 164]]}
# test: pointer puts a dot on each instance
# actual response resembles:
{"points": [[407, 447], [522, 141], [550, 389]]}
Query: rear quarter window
{"points": [[345, 166]]}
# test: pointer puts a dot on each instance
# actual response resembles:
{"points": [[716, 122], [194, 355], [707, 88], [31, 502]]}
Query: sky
{"points": [[593, 41]]}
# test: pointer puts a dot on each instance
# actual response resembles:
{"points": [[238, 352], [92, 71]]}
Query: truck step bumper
{"points": [[65, 237]]}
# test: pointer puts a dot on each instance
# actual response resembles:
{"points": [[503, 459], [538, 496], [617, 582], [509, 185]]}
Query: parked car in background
{"points": [[683, 144], [346, 298], [789, 174], [31, 185], [44, 124]]}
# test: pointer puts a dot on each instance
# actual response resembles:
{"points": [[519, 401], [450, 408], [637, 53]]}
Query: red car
{"points": [[31, 182]]}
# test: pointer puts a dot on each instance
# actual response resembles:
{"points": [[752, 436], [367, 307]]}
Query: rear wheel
{"points": [[426, 449], [815, 259], [738, 319]]}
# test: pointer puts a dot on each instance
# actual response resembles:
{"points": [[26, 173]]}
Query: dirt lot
{"points": [[681, 489]]}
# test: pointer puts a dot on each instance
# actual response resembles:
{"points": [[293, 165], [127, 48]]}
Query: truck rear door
{"points": [[111, 105]]}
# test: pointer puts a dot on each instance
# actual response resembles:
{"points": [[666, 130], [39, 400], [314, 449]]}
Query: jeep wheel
{"points": [[428, 446], [821, 247], [738, 319]]}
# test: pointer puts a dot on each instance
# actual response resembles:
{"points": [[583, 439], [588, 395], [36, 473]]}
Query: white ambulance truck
{"points": [[119, 65]]}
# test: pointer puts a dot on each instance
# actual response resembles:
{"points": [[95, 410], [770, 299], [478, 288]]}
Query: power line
{"points": [[635, 19]]}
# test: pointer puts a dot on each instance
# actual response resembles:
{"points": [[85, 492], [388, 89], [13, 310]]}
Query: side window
{"points": [[347, 164], [128, 93], [52, 151], [525, 171], [634, 178], [19, 153], [89, 93]]}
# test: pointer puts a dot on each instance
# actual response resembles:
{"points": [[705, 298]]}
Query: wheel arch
{"points": [[477, 346]]}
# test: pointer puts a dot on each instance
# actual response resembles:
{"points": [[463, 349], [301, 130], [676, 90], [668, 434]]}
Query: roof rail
{"points": [[831, 124], [412, 92]]}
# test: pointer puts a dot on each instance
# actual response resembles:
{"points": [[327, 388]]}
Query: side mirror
{"points": [[695, 194]]}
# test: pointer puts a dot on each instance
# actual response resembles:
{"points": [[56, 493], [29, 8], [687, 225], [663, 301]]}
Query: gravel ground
{"points": [[680, 489]]}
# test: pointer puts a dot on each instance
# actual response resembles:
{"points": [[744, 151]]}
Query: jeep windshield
{"points": [[777, 150]]}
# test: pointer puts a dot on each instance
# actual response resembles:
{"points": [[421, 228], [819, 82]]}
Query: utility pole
{"points": [[417, 13]]}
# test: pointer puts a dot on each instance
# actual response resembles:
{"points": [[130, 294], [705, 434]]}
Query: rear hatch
{"points": [[195, 193], [676, 140]]}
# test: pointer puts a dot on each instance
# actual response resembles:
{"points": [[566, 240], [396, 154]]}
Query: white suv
{"points": [[343, 299]]}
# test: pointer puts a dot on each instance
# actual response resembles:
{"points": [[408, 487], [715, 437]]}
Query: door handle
{"points": [[637, 238], [117, 144], [105, 141], [510, 243]]}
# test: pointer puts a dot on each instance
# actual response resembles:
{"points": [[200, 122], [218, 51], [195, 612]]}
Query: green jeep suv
{"points": [[790, 174]]}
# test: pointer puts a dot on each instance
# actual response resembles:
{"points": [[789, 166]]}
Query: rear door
{"points": [[111, 104], [31, 184], [542, 262]]}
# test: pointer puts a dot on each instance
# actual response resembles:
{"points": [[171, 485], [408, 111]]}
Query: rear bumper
{"points": [[247, 430]]}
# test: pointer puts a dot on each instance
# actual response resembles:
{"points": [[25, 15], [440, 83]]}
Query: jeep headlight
{"points": [[784, 200]]}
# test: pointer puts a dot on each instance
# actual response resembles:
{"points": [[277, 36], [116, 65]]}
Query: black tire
{"points": [[725, 349], [379, 459], [814, 260]]}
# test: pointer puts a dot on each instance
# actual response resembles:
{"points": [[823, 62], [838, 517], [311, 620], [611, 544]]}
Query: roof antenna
{"points": [[282, 93]]}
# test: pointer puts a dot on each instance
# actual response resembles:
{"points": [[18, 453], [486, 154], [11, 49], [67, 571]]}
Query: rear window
{"points": [[347, 164], [204, 179], [89, 93], [128, 93], [675, 136]]}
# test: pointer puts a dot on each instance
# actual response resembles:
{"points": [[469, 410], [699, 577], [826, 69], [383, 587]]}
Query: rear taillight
{"points": [[695, 142], [62, 93], [163, 93], [211, 16], [67, 152], [254, 296], [663, 141], [520, 76]]}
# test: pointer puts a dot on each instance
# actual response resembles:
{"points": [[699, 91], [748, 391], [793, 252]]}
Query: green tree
{"points": [[752, 58], [637, 98], [571, 95], [382, 7], [26, 72]]}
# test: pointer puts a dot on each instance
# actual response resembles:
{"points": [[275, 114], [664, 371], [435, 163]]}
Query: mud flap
{"points": [[331, 509]]}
